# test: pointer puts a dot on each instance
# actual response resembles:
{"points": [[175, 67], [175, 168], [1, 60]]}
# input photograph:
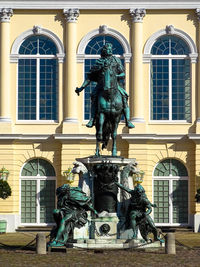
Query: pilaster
{"points": [[198, 73], [136, 86], [5, 112], [70, 75]]}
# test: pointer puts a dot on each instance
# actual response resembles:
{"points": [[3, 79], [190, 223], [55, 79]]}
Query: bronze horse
{"points": [[110, 109]]}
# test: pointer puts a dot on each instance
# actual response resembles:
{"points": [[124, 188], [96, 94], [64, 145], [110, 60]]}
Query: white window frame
{"points": [[37, 178], [171, 179], [147, 56], [15, 56], [37, 120], [169, 58]]}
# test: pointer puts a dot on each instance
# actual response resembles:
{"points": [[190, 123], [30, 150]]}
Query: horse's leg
{"points": [[97, 149], [101, 122], [114, 136]]}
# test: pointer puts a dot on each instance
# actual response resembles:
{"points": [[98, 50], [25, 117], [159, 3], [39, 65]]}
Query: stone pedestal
{"points": [[97, 178], [106, 226], [41, 243]]}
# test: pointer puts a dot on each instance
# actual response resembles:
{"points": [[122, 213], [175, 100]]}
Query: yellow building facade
{"points": [[47, 47]]}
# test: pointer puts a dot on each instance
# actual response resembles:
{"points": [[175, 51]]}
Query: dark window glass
{"points": [[94, 48]]}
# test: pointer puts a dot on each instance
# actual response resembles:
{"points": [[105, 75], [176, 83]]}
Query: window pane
{"points": [[161, 212], [171, 167], [28, 204], [27, 89], [95, 45], [169, 44], [47, 201], [38, 45], [48, 89], [38, 166], [88, 89], [160, 89], [180, 201], [29, 46], [181, 99]]}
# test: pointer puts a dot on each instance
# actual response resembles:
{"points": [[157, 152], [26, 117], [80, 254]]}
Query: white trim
{"points": [[5, 120], [194, 136], [37, 89], [184, 122], [109, 31], [29, 137], [63, 137], [70, 120], [183, 35], [137, 120], [170, 89], [159, 137], [54, 122], [90, 4], [19, 40]]}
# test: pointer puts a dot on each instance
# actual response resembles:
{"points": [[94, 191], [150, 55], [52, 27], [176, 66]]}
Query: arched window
{"points": [[170, 79], [92, 52], [38, 167], [170, 182], [38, 185], [37, 79]]}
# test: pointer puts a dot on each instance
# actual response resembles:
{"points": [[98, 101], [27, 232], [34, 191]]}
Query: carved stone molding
{"points": [[198, 13], [137, 14], [37, 29], [14, 56], [103, 29], [71, 14], [5, 14], [170, 29]]}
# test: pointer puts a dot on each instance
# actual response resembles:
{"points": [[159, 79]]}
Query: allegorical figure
{"points": [[71, 212], [138, 213], [107, 72]]}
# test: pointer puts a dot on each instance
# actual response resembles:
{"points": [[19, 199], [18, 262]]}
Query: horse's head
{"points": [[79, 167]]}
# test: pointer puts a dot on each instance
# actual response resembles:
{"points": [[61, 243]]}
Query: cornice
{"points": [[153, 137], [75, 137], [24, 137], [90, 4], [194, 137]]}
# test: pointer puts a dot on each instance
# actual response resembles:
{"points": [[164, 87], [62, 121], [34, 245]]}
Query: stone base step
{"points": [[115, 244], [34, 229], [166, 229]]}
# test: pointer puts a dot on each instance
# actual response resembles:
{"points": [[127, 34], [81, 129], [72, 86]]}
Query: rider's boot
{"points": [[91, 122], [127, 118]]}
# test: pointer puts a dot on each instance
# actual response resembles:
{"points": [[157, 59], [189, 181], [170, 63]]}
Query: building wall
{"points": [[22, 141]]}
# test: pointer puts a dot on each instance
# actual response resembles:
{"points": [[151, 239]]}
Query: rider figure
{"points": [[106, 72], [139, 208]]}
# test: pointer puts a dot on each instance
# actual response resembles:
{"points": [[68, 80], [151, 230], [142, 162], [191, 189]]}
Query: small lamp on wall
{"points": [[4, 173], [138, 177], [69, 175]]}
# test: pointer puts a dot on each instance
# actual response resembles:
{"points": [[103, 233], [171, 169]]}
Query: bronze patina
{"points": [[109, 98], [72, 205]]}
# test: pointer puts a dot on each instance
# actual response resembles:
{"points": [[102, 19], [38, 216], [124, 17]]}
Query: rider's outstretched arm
{"points": [[83, 86], [124, 188]]}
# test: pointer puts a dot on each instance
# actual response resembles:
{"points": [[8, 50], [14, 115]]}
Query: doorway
{"points": [[38, 185], [170, 193]]}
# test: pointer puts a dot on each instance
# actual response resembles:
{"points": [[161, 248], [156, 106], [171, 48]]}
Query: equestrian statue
{"points": [[109, 100]]}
